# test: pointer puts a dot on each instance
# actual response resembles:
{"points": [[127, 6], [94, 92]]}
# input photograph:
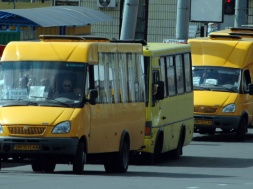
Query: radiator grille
{"points": [[26, 130], [205, 109]]}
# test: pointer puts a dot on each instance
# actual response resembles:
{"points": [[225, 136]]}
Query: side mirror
{"points": [[93, 93], [251, 89], [158, 90]]}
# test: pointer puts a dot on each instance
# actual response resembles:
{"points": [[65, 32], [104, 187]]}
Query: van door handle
{"points": [[164, 117]]}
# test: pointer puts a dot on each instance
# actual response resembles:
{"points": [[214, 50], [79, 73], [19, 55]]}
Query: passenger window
{"points": [[179, 74], [188, 72], [123, 77], [163, 74], [115, 81], [171, 75]]}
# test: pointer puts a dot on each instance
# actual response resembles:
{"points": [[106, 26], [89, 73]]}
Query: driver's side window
{"points": [[246, 81]]}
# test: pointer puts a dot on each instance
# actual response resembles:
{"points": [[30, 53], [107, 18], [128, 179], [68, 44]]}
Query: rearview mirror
{"points": [[93, 93]]}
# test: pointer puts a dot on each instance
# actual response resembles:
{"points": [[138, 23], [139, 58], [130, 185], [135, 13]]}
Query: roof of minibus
{"points": [[160, 49], [64, 51], [226, 51]]}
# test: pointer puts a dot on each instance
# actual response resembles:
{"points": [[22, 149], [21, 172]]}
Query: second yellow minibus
{"points": [[169, 104]]}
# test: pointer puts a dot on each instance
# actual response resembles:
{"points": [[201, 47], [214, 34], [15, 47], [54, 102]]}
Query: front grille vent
{"points": [[26, 130], [208, 110]]}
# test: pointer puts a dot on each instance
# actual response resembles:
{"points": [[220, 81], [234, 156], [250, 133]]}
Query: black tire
{"points": [[118, 162], [241, 130], [156, 156], [79, 159], [175, 154], [43, 166], [153, 158], [37, 166], [48, 167], [211, 131]]}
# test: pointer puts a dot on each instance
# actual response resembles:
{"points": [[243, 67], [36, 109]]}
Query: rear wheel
{"points": [[118, 162], [79, 159], [175, 154], [155, 157]]}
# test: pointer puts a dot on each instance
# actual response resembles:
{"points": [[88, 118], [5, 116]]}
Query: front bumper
{"points": [[222, 122], [26, 147]]}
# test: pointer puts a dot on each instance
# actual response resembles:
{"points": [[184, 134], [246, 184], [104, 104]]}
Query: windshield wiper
{"points": [[227, 88], [201, 88], [52, 100], [62, 103], [18, 102]]}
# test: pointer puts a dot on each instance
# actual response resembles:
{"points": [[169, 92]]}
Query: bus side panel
{"points": [[108, 121], [178, 111]]}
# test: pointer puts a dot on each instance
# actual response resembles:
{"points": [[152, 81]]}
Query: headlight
{"points": [[63, 127], [229, 108], [1, 129]]}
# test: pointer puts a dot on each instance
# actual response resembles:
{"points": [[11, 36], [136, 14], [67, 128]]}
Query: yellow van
{"points": [[72, 101], [222, 77]]}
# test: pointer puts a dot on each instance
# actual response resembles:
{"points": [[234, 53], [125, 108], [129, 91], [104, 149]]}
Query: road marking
{"points": [[222, 184]]}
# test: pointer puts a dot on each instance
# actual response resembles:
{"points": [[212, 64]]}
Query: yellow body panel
{"points": [[64, 51], [235, 54], [108, 121]]}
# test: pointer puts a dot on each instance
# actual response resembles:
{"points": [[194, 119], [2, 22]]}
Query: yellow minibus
{"points": [[169, 104], [71, 101], [222, 77]]}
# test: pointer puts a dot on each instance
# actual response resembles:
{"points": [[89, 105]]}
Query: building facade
{"points": [[162, 16]]}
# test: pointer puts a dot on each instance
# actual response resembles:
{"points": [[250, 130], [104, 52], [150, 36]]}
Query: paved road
{"points": [[209, 162]]}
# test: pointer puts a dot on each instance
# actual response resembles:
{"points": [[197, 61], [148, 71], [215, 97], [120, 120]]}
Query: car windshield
{"points": [[216, 78], [42, 83]]}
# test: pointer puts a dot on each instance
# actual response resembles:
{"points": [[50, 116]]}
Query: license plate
{"points": [[26, 147], [203, 122]]}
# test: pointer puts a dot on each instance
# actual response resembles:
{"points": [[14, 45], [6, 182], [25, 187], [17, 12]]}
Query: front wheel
{"points": [[48, 167], [43, 166], [241, 130], [37, 166], [79, 159]]}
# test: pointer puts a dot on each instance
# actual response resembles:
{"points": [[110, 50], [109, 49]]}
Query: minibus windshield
{"points": [[216, 78], [42, 83]]}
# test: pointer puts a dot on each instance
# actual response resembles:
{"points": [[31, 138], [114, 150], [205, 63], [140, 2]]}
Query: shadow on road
{"points": [[208, 162], [223, 137]]}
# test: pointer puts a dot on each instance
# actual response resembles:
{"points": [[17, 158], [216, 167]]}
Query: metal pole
{"points": [[240, 13], [182, 25], [129, 20]]}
